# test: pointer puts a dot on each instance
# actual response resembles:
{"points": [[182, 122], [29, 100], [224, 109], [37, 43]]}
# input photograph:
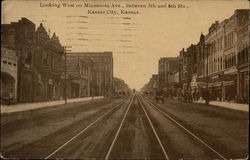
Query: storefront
{"points": [[26, 88], [243, 85], [230, 90], [74, 88], [229, 87]]}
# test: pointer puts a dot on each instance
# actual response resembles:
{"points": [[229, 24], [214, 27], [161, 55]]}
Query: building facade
{"points": [[9, 63], [201, 67], [41, 65], [48, 62], [242, 22], [226, 42], [185, 70], [165, 71], [192, 68], [20, 36], [162, 72], [101, 63], [39, 60], [217, 66], [79, 76], [151, 86], [223, 59]]}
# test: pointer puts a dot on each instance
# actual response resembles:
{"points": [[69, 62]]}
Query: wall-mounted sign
{"points": [[227, 77]]}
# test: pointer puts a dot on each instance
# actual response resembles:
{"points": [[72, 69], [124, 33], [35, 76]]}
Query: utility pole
{"points": [[65, 72]]}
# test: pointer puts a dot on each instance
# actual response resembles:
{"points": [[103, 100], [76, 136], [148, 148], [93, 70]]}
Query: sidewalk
{"points": [[231, 105], [35, 105]]}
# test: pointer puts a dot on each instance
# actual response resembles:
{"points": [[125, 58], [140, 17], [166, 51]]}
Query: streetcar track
{"points": [[184, 128], [119, 129], [84, 129], [155, 133]]}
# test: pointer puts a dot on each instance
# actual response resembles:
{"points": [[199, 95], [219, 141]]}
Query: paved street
{"points": [[129, 127]]}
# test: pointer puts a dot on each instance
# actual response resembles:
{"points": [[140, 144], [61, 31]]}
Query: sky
{"points": [[137, 41]]}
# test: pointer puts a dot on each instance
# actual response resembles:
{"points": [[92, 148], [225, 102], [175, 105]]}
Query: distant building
{"points": [[166, 66], [154, 81], [79, 76], [185, 70], [152, 85], [102, 71], [193, 67], [162, 73], [201, 69]]}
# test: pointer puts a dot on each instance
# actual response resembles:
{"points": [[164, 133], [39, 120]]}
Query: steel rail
{"points": [[83, 130], [151, 124], [185, 129], [118, 131]]}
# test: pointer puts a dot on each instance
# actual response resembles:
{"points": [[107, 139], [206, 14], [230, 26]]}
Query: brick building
{"points": [[192, 68], [102, 71], [9, 63], [228, 41], [39, 60], [79, 76], [166, 67], [151, 86], [161, 73], [20, 36], [185, 67], [242, 22], [48, 62], [221, 60]]}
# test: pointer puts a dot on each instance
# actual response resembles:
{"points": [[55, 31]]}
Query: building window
{"points": [[230, 61], [9, 63], [244, 20], [28, 58], [45, 58], [4, 61]]}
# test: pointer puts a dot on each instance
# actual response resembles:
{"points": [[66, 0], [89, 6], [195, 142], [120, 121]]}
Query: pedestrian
{"points": [[194, 95]]}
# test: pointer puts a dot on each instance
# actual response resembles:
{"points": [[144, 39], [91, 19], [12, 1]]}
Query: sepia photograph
{"points": [[125, 79]]}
